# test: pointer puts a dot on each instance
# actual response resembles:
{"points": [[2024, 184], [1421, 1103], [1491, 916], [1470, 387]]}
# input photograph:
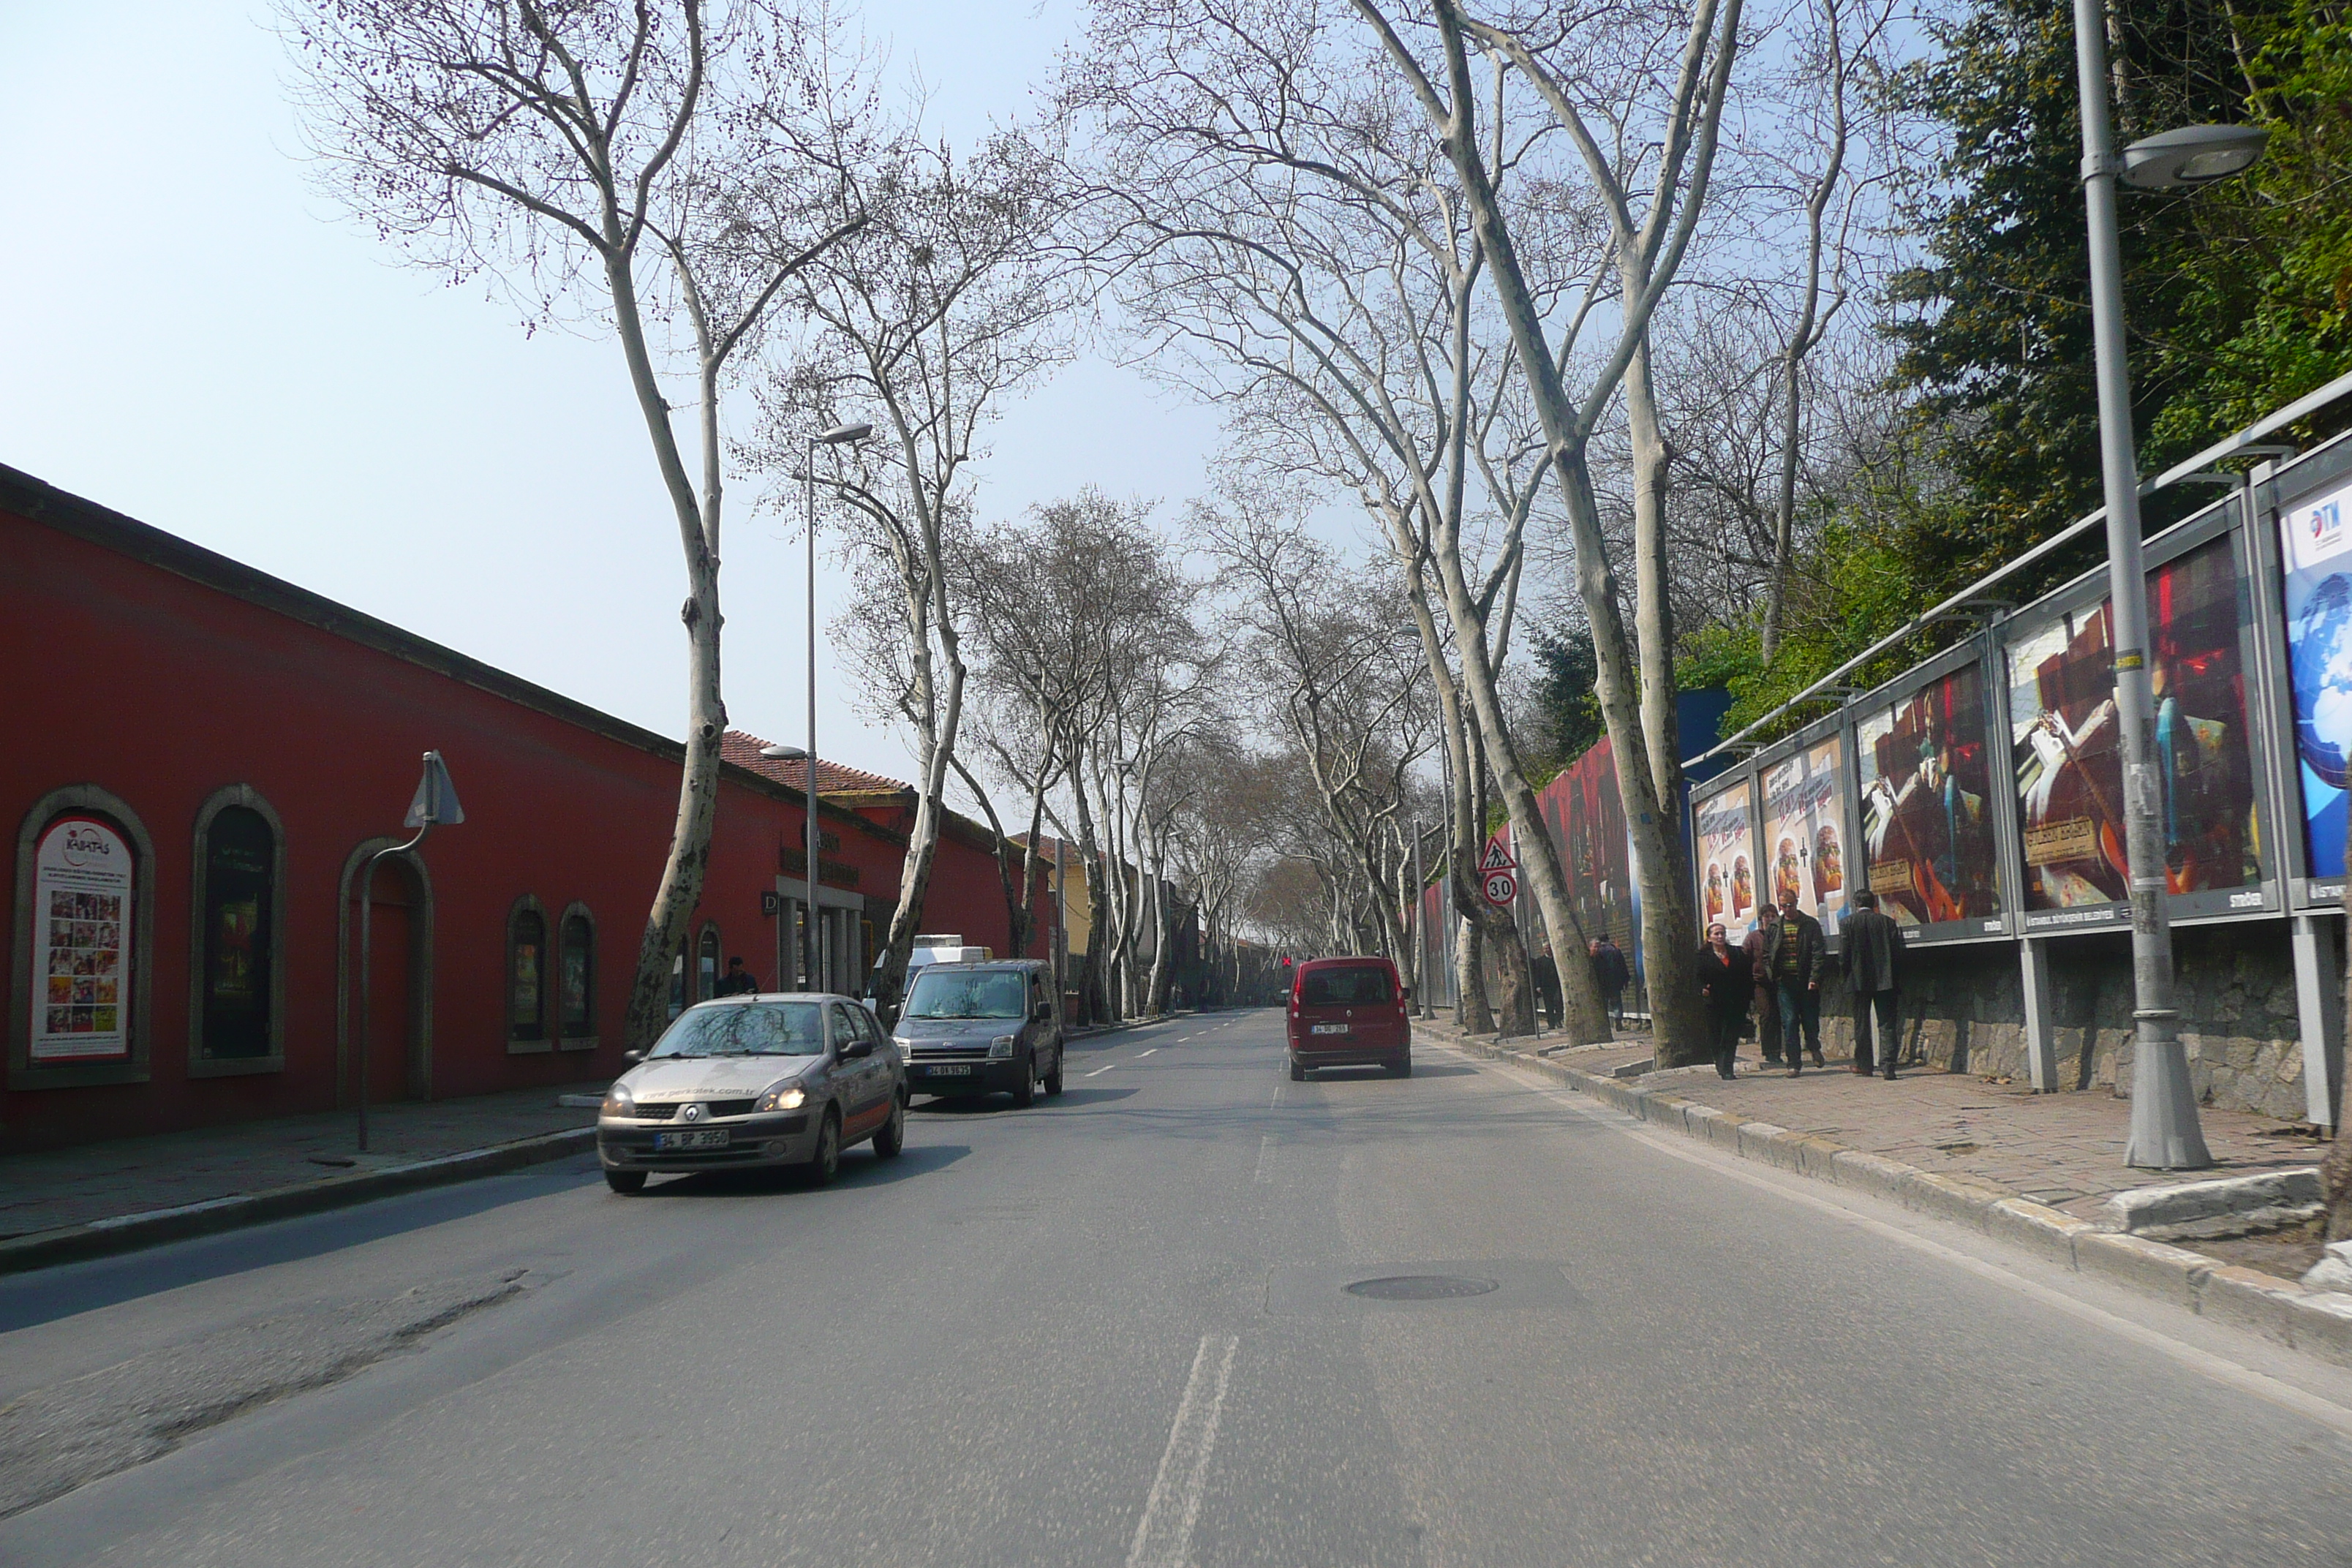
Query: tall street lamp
{"points": [[840, 435], [2165, 1134]]}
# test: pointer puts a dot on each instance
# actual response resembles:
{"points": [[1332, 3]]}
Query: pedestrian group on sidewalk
{"points": [[1778, 969]]}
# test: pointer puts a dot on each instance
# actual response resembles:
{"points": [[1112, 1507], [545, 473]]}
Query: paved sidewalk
{"points": [[93, 1182], [2064, 1150]]}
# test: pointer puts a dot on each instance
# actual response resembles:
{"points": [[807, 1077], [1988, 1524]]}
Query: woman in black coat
{"points": [[1726, 981]]}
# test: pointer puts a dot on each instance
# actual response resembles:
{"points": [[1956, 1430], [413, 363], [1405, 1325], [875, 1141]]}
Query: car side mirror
{"points": [[856, 1048], [633, 1058]]}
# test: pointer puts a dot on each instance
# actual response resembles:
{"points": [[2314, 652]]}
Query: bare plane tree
{"points": [[691, 167]]}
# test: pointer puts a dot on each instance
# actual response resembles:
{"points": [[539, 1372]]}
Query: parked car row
{"points": [[792, 1079]]}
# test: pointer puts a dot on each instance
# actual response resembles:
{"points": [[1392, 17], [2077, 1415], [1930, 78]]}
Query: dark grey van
{"points": [[969, 1029]]}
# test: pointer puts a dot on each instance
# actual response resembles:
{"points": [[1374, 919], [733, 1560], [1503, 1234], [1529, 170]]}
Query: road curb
{"points": [[2317, 1323], [128, 1233]]}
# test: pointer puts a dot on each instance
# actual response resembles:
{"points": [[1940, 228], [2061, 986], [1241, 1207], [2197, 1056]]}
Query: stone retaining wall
{"points": [[1964, 1009]]}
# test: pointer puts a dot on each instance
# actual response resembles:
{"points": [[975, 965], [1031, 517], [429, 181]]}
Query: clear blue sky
{"points": [[193, 336]]}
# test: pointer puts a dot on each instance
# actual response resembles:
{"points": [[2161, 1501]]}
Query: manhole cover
{"points": [[1420, 1288]]}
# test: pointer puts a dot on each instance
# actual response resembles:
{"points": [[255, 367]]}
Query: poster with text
{"points": [[1804, 830], [2315, 559], [1926, 785], [82, 907], [1726, 862], [2067, 751]]}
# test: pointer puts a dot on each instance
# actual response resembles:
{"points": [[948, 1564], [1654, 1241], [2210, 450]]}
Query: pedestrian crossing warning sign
{"points": [[1497, 857]]}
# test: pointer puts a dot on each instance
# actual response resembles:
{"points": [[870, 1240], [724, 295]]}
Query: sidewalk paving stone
{"points": [[46, 1190]]}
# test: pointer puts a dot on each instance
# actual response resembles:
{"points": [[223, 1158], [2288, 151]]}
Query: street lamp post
{"points": [[2165, 1134], [840, 435], [436, 802]]}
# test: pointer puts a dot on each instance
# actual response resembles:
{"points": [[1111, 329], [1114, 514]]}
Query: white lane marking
{"points": [[1264, 1159], [1100, 1070], [1140, 1055], [1165, 1532], [1276, 1100], [2220, 1369]]}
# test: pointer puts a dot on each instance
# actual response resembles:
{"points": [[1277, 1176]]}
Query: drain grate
{"points": [[1420, 1288]]}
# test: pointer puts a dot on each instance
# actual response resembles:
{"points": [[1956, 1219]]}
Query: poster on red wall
{"points": [[82, 903]]}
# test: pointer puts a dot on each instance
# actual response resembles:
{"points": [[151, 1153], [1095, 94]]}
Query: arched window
{"points": [[577, 974], [677, 985], [705, 964], [527, 974], [238, 936]]}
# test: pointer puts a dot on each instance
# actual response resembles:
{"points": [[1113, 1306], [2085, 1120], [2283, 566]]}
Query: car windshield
{"points": [[744, 1029], [1356, 987], [968, 994]]}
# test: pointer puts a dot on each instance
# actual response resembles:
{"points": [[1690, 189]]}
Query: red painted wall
{"points": [[129, 676]]}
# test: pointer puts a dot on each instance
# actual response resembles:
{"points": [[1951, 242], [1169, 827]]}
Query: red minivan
{"points": [[1350, 1012]]}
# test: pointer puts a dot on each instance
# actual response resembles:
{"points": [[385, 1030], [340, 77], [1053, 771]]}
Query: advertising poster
{"points": [[1727, 863], [2315, 562], [1927, 782], [2066, 747], [82, 902], [1803, 834], [1587, 819]]}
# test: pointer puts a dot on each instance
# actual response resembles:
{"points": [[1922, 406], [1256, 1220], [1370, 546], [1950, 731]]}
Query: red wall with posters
{"points": [[161, 674]]}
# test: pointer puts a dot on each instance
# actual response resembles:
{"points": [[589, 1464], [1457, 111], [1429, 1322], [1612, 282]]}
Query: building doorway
{"points": [[400, 987]]}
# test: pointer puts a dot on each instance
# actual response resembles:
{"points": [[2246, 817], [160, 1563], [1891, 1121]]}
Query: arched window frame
{"points": [[22, 1072], [564, 1040], [699, 991], [528, 904], [199, 1064]]}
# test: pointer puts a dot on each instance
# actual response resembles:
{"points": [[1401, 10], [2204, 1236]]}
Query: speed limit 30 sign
{"points": [[1501, 888]]}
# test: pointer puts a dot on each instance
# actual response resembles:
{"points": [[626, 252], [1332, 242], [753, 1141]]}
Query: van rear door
{"points": [[1350, 1007]]}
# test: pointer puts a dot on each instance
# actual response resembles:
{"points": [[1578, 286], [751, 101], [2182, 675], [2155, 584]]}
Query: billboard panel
{"points": [[1804, 843], [1927, 836], [2066, 752], [1726, 860], [2315, 564]]}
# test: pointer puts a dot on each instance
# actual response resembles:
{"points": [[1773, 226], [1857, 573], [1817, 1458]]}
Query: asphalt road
{"points": [[1113, 1330]]}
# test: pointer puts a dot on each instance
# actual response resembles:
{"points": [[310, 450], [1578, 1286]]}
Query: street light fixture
{"points": [[2191, 156], [2165, 1134], [436, 802], [839, 436]]}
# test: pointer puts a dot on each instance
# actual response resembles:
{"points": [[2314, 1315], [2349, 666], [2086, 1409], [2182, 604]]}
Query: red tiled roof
{"points": [[742, 749]]}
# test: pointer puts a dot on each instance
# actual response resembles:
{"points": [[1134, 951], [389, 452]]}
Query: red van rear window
{"points": [[1357, 986]]}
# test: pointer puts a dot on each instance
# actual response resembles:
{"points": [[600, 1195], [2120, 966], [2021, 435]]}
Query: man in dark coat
{"points": [[737, 981], [1611, 975], [1767, 995], [1793, 961], [1874, 967], [1547, 979]]}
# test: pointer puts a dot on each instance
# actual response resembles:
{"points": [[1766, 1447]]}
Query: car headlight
{"points": [[785, 1096], [906, 1046], [1000, 1047], [618, 1101]]}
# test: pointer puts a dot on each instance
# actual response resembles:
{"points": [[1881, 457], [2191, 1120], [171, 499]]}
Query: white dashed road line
{"points": [[1140, 1055], [1100, 1070]]}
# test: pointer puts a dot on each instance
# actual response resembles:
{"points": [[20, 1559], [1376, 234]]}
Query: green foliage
{"points": [[1567, 708]]}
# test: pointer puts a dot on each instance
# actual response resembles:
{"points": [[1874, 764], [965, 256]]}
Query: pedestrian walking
{"points": [[1874, 968], [1547, 979], [1611, 975], [1768, 997], [1794, 955], [1727, 981]]}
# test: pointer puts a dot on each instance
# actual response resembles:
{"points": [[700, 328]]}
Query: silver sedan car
{"points": [[789, 1079]]}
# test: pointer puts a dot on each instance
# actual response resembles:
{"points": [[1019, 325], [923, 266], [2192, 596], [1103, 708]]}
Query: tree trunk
{"points": [[922, 841]]}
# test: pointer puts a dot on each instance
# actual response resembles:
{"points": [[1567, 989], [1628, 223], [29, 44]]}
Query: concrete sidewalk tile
{"points": [[2250, 1298], [2036, 1227], [2171, 1272]]}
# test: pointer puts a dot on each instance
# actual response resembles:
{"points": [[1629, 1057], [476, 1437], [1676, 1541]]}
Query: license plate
{"points": [[707, 1138], [1331, 1028], [948, 1071]]}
